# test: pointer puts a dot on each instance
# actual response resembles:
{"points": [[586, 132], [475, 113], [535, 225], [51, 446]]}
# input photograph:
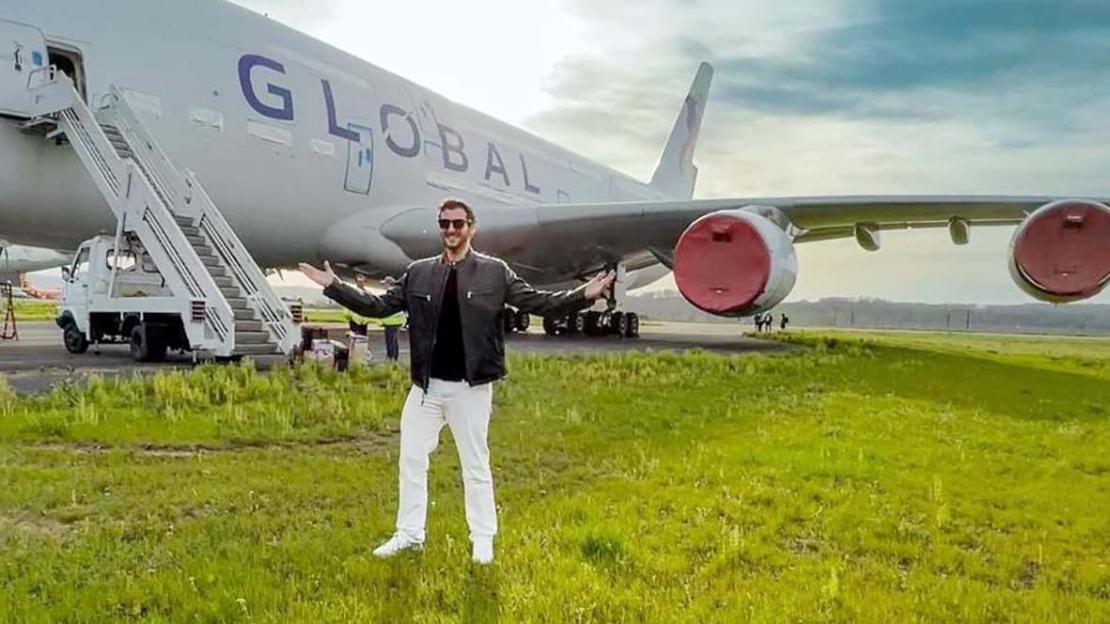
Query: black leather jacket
{"points": [[485, 285]]}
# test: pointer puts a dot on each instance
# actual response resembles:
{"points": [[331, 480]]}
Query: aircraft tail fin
{"points": [[676, 174]]}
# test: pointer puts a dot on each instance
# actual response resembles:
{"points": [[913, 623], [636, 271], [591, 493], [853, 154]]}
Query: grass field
{"points": [[28, 310], [866, 478]]}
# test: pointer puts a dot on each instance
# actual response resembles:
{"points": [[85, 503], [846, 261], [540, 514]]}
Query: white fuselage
{"points": [[305, 149]]}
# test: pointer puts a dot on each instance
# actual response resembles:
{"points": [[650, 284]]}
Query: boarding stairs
{"points": [[226, 304]]}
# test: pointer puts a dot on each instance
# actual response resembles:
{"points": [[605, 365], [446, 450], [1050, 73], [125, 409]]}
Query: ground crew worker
{"points": [[392, 325], [456, 347]]}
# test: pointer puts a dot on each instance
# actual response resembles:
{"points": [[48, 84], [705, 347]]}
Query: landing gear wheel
{"points": [[550, 327], [620, 321], [633, 325], [577, 324], [75, 340], [591, 323], [147, 344], [523, 321]]}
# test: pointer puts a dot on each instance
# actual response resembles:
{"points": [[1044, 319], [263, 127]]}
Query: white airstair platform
{"points": [[228, 307]]}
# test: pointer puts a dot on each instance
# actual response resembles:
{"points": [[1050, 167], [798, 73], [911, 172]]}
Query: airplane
{"points": [[314, 154], [17, 260]]}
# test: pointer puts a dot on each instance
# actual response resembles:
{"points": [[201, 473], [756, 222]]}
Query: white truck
{"points": [[112, 296]]}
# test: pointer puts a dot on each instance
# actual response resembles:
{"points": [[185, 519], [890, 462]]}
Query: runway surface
{"points": [[38, 361]]}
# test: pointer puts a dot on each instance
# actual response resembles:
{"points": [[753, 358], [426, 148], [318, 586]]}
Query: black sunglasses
{"points": [[445, 224]]}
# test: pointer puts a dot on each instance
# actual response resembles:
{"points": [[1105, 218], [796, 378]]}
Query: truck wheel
{"points": [[75, 340], [147, 344]]}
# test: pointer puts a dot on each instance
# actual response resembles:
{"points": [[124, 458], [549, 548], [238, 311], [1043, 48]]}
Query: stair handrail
{"points": [[188, 197], [147, 151], [275, 315], [128, 190]]}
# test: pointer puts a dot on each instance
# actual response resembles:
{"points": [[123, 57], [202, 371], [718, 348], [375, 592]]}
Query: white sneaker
{"points": [[395, 545], [483, 551]]}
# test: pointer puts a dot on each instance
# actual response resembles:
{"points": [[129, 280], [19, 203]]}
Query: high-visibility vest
{"points": [[396, 320]]}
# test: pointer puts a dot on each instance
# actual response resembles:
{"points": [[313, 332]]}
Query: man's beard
{"points": [[459, 245]]}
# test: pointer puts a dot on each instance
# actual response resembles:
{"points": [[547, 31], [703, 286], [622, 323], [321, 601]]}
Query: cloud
{"points": [[995, 74], [854, 96]]}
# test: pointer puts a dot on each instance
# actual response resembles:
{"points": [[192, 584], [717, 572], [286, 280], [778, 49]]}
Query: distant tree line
{"points": [[878, 313]]}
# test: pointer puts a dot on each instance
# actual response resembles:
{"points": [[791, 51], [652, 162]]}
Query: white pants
{"points": [[466, 411]]}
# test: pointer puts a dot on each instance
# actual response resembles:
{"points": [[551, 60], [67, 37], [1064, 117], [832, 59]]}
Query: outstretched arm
{"points": [[521, 295], [355, 300]]}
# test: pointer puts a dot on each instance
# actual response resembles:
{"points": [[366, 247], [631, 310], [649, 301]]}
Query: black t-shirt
{"points": [[449, 356]]}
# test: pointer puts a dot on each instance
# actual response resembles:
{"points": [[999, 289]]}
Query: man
{"points": [[456, 338], [392, 325]]}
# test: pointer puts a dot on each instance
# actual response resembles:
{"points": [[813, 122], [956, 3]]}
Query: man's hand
{"points": [[324, 278], [598, 287]]}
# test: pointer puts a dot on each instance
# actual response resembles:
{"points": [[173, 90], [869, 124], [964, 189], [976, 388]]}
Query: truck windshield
{"points": [[80, 263]]}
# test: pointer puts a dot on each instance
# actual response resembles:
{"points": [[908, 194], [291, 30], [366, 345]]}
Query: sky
{"points": [[810, 97]]}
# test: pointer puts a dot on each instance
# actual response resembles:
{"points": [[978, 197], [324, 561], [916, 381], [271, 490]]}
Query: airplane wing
{"points": [[719, 265], [548, 240], [735, 256]]}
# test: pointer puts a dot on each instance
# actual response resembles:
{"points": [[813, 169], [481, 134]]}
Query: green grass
{"points": [[861, 479], [1077, 354], [26, 310]]}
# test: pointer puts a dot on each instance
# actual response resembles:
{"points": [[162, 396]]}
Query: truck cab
{"points": [[115, 295]]}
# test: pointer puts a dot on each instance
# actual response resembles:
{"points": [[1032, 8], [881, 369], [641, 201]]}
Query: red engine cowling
{"points": [[1061, 252], [734, 263]]}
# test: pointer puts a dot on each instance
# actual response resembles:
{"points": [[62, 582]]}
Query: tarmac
{"points": [[38, 361]]}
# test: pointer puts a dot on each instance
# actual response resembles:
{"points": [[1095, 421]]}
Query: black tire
{"points": [[633, 325], [158, 345], [138, 344], [550, 327], [523, 321], [620, 324], [577, 324], [591, 323], [75, 340], [147, 344]]}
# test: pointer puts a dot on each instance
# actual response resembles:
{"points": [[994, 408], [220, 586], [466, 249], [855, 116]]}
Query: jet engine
{"points": [[735, 263], [1061, 252]]}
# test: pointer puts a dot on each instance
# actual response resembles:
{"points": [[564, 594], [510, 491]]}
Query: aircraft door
{"points": [[22, 51]]}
